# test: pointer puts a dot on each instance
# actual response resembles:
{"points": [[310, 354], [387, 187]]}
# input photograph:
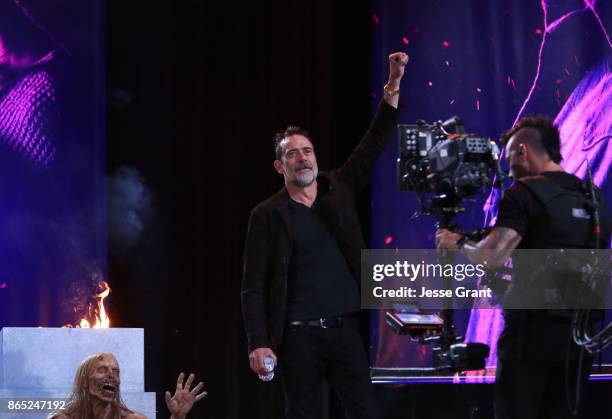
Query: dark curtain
{"points": [[196, 91]]}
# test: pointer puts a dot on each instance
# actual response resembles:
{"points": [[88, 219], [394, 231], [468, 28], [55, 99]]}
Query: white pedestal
{"points": [[41, 363]]}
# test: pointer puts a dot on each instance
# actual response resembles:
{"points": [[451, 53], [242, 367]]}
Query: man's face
{"points": [[516, 155], [104, 381], [298, 163]]}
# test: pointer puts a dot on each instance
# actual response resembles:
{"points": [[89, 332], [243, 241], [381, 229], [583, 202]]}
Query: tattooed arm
{"points": [[493, 250]]}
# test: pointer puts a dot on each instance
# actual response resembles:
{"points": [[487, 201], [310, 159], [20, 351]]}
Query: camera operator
{"points": [[538, 212]]}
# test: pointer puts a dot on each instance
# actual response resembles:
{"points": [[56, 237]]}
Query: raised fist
{"points": [[397, 62]]}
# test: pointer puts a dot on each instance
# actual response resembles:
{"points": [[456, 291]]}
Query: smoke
{"points": [[130, 208], [84, 279]]}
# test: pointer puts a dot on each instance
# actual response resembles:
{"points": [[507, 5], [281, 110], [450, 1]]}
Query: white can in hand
{"points": [[269, 363]]}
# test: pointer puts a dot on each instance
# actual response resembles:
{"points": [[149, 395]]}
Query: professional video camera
{"points": [[449, 353], [444, 165], [442, 160]]}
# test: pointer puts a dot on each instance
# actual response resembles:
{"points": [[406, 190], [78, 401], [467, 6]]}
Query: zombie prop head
{"points": [[103, 378], [97, 380]]}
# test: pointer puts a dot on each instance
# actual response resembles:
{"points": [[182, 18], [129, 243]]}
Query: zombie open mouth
{"points": [[109, 389]]}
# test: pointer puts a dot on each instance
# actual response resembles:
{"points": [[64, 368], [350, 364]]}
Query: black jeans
{"points": [[537, 390], [310, 354]]}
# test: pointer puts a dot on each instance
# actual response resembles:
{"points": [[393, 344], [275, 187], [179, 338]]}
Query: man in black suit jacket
{"points": [[300, 290]]}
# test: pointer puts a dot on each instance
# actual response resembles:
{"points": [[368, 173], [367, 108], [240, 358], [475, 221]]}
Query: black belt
{"points": [[329, 322]]}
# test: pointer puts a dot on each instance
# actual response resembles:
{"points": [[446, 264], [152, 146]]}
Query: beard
{"points": [[306, 177]]}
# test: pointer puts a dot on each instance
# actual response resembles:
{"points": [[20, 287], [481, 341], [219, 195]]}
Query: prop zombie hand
{"points": [[183, 400]]}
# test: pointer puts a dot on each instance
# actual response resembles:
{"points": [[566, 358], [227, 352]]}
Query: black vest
{"points": [[566, 220], [542, 278]]}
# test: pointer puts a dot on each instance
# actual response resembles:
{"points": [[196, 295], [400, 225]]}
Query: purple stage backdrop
{"points": [[490, 62], [52, 221]]}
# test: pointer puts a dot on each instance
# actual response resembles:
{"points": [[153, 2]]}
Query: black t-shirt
{"points": [[320, 281]]}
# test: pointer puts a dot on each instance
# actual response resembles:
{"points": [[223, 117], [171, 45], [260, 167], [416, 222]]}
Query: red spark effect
{"points": [[388, 240], [405, 41], [445, 44], [3, 285], [511, 82], [538, 31], [430, 83], [452, 101], [478, 90], [447, 63], [477, 105], [375, 19], [566, 71], [558, 81], [577, 60]]}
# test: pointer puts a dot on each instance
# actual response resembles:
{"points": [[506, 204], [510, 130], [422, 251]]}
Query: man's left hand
{"points": [[183, 400], [447, 240]]}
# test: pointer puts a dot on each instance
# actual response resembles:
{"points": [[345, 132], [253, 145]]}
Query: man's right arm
{"points": [[254, 291]]}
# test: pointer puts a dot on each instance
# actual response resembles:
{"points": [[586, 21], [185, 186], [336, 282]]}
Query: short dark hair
{"points": [[549, 140], [287, 132]]}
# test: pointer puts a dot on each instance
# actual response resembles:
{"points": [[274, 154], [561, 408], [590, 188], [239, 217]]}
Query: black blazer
{"points": [[267, 250]]}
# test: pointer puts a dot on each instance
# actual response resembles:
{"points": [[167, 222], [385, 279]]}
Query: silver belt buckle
{"points": [[322, 323]]}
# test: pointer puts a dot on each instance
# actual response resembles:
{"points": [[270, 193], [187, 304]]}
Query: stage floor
{"points": [[410, 400], [601, 372]]}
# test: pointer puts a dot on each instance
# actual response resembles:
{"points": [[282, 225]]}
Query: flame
{"points": [[100, 315], [102, 319]]}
